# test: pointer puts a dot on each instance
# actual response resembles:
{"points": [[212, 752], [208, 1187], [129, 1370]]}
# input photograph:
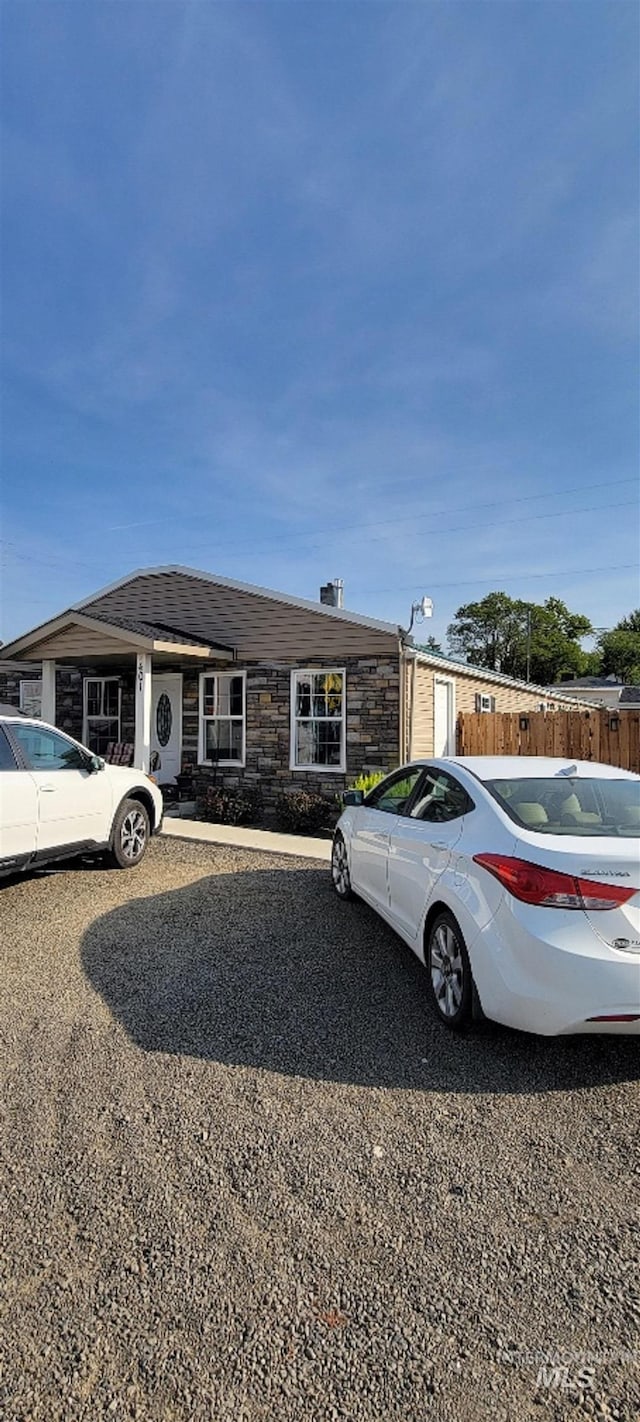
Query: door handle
{"points": [[48, 789], [440, 844]]}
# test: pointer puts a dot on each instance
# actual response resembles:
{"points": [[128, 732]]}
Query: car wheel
{"points": [[340, 875], [449, 969], [130, 835]]}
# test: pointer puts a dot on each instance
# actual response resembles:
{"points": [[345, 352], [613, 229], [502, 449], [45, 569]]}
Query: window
{"points": [[31, 698], [222, 718], [7, 761], [101, 712], [392, 794], [47, 750], [485, 702], [441, 798], [573, 805], [318, 720]]}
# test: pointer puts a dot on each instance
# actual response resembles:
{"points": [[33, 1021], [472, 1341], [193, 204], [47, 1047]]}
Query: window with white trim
{"points": [[318, 719], [222, 718], [102, 712]]}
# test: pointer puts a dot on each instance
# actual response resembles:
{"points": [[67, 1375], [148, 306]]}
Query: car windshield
{"points": [[571, 805]]}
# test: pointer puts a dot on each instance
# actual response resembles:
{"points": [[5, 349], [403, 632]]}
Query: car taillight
{"points": [[533, 884]]}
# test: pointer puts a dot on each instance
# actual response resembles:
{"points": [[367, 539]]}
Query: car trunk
{"points": [[602, 860]]}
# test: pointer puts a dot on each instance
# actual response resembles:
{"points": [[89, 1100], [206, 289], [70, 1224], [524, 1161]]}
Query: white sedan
{"points": [[57, 799], [515, 880]]}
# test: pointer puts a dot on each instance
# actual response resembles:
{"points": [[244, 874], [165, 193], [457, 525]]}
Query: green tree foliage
{"points": [[431, 645], [619, 649], [504, 634]]}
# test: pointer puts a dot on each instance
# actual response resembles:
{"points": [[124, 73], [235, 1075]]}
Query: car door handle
{"points": [[440, 844], [48, 789]]}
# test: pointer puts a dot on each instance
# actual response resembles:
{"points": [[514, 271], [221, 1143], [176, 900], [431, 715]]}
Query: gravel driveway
{"points": [[246, 1177]]}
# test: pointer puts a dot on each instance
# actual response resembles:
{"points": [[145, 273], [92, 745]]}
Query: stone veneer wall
{"points": [[372, 740], [69, 696], [373, 713]]}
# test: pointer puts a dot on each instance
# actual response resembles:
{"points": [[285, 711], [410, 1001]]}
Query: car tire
{"points": [[451, 986], [130, 835], [340, 876]]}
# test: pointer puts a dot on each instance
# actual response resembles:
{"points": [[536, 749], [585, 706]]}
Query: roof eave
{"points": [[499, 678]]}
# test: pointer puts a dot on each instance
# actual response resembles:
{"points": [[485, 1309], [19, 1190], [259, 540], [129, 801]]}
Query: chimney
{"points": [[332, 594]]}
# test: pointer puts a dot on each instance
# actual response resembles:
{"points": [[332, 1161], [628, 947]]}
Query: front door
{"points": [[374, 824], [166, 726], [422, 845], [74, 803]]}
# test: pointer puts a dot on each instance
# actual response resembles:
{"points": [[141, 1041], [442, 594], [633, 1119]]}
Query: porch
{"points": [[131, 675]]}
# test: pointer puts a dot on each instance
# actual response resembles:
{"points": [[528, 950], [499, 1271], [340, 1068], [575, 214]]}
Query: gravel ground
{"points": [[246, 1177]]}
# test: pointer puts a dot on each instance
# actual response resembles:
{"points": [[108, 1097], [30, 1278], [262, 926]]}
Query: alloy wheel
{"points": [[340, 868], [447, 970], [133, 834]]}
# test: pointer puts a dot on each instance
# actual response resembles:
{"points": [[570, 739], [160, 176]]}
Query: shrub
{"points": [[367, 779], [226, 806], [302, 812]]}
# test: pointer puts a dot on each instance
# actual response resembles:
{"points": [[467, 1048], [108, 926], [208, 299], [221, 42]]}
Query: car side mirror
{"points": [[95, 763], [353, 797]]}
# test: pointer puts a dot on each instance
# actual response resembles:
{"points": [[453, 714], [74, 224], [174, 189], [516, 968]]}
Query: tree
{"points": [[620, 649], [431, 645], [522, 639], [555, 641]]}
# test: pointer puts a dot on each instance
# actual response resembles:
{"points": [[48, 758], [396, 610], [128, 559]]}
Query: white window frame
{"points": [[232, 764], [27, 697], [86, 718], [485, 696], [318, 671]]}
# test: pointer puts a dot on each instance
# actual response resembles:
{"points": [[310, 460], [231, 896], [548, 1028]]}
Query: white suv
{"points": [[57, 799]]}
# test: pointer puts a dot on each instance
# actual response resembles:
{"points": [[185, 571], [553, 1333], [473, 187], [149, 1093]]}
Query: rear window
{"points": [[571, 805]]}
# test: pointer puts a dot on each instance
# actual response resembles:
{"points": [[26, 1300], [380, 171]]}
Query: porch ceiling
{"points": [[76, 638]]}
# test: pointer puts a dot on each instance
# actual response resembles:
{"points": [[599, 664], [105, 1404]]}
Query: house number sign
{"points": [[140, 673]]}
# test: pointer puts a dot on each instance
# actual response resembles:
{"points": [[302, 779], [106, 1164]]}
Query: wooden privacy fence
{"points": [[611, 737]]}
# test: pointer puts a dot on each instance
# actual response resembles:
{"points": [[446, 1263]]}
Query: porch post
{"points": [[48, 704], [142, 748]]}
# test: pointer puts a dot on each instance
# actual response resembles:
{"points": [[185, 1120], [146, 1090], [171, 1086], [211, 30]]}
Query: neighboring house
{"points": [[248, 684], [601, 690]]}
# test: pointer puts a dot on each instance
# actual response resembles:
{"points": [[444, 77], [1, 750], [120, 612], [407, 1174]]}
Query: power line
{"points": [[517, 576], [451, 528], [284, 538]]}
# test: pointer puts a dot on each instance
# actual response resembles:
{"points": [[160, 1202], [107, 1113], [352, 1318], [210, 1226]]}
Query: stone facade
{"points": [[69, 694], [372, 689]]}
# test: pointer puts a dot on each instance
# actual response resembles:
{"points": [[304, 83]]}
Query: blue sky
{"points": [[297, 290]]}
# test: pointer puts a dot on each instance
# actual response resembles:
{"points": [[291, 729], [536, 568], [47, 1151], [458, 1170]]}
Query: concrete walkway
{"points": [[302, 846]]}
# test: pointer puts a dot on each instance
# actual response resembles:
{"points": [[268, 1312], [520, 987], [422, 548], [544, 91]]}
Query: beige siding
{"points": [[259, 627], [80, 642], [507, 698], [467, 687], [422, 723]]}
